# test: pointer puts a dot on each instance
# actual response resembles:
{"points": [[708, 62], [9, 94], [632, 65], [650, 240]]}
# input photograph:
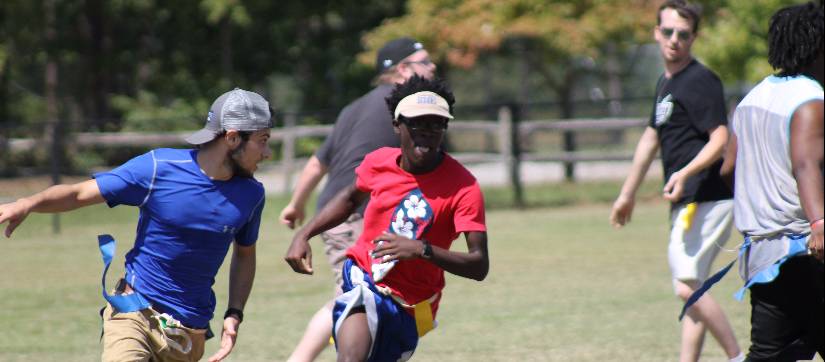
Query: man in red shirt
{"points": [[421, 199]]}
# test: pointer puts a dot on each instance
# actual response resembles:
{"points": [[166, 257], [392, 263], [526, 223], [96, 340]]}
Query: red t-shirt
{"points": [[437, 206]]}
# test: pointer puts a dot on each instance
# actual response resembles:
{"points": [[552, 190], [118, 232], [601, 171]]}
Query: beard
{"points": [[237, 169]]}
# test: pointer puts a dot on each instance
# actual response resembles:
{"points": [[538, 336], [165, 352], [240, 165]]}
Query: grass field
{"points": [[563, 286]]}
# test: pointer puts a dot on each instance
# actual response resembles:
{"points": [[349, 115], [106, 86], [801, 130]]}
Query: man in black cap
{"points": [[362, 127]]}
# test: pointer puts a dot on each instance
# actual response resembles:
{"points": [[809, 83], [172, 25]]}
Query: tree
{"points": [[558, 40], [735, 43]]}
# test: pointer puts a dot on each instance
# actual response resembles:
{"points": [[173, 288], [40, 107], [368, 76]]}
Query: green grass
{"points": [[563, 286], [567, 194]]}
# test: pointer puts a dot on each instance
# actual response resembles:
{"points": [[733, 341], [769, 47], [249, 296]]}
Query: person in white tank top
{"points": [[774, 162]]}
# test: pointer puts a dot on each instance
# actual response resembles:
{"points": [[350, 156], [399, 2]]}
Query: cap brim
{"points": [[426, 111], [201, 137]]}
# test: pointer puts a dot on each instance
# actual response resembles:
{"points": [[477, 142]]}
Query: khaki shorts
{"points": [[698, 232], [338, 239], [136, 336]]}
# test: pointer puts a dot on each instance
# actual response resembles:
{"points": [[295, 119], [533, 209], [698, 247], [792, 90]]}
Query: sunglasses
{"points": [[426, 126], [424, 62], [681, 34]]}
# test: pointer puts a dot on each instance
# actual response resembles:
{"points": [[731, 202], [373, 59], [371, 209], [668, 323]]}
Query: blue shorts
{"points": [[393, 330]]}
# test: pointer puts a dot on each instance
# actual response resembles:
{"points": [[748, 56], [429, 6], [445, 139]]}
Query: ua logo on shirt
{"points": [[663, 110], [228, 229]]}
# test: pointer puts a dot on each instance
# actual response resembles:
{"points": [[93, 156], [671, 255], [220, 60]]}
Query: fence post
{"points": [[508, 137], [569, 139], [288, 151]]}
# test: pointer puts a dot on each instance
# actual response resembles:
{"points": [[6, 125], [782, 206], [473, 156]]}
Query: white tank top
{"points": [[766, 199]]}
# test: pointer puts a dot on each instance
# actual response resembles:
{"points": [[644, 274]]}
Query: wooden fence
{"points": [[508, 132]]}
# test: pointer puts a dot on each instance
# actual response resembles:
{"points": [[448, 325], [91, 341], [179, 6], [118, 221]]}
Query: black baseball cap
{"points": [[394, 51]]}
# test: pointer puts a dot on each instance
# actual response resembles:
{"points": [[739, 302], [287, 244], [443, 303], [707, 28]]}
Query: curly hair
{"points": [[417, 84], [795, 38]]}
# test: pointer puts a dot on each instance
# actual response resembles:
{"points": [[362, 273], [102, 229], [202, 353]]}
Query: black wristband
{"points": [[234, 312], [427, 253]]}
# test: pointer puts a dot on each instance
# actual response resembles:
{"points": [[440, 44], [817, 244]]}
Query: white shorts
{"points": [[698, 231]]}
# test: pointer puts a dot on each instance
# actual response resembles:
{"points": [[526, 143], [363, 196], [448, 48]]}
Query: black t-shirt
{"points": [[363, 126], [688, 105]]}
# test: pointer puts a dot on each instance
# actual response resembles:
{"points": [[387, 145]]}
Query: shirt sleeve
{"points": [[364, 174], [469, 213], [707, 108], [248, 234], [327, 149], [130, 183], [324, 153]]}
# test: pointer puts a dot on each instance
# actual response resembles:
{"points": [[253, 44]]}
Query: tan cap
{"points": [[423, 104]]}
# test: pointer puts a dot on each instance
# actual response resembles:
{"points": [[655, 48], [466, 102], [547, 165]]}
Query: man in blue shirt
{"points": [[193, 204]]}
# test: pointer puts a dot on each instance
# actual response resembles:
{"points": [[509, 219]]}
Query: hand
{"points": [[299, 255], [14, 213], [292, 215], [815, 241], [674, 187], [622, 211], [228, 338], [397, 247]]}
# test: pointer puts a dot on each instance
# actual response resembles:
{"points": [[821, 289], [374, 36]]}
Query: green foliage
{"points": [[559, 42], [4, 57], [306, 147], [217, 10], [111, 54], [148, 65], [736, 44], [460, 31], [146, 114]]}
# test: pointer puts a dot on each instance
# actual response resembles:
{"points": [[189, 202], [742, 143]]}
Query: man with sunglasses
{"points": [[421, 201], [689, 123], [362, 127]]}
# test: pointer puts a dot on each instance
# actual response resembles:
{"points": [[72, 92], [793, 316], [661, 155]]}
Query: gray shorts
{"points": [[338, 239], [698, 231]]}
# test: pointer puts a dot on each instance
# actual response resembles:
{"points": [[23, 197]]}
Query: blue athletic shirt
{"points": [[187, 222]]}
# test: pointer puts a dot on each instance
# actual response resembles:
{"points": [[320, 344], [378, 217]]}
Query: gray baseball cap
{"points": [[237, 109]]}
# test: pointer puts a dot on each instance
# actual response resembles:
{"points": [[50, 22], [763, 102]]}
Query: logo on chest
{"points": [[412, 217], [228, 229], [663, 110]]}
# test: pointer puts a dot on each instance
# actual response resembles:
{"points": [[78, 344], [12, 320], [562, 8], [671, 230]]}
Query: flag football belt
{"points": [[134, 302], [796, 246], [422, 311]]}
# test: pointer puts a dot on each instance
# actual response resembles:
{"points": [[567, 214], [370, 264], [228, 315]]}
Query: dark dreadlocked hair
{"points": [[795, 38], [417, 84]]}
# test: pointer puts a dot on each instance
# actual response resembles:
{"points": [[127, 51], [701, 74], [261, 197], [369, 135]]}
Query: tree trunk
{"points": [[52, 133], [614, 91], [98, 71], [565, 93], [5, 126], [226, 48]]}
